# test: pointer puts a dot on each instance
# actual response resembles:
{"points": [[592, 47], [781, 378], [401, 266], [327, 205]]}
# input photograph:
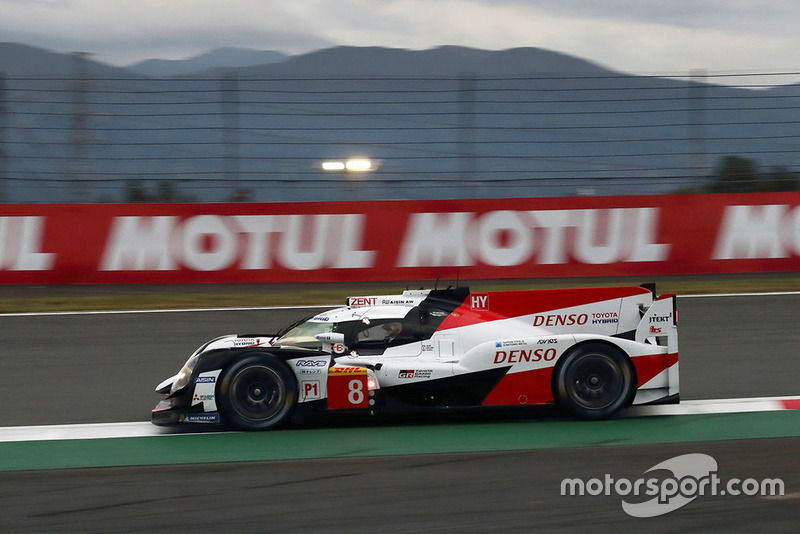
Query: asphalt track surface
{"points": [[102, 368]]}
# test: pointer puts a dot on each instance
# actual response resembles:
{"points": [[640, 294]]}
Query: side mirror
{"points": [[332, 342]]}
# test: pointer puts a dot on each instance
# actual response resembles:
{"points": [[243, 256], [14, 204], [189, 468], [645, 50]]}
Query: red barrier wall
{"points": [[399, 240]]}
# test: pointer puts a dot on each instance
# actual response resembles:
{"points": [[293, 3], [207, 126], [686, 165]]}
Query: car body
{"points": [[591, 351]]}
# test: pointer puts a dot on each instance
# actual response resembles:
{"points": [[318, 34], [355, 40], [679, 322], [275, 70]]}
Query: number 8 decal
{"points": [[356, 392], [347, 388]]}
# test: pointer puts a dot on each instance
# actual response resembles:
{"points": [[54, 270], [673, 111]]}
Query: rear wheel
{"points": [[594, 381], [257, 392]]}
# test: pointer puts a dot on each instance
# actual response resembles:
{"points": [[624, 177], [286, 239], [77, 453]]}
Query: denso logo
{"points": [[522, 355], [560, 320], [311, 363]]}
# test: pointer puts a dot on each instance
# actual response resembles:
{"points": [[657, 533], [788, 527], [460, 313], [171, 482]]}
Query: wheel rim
{"points": [[258, 393], [595, 381]]}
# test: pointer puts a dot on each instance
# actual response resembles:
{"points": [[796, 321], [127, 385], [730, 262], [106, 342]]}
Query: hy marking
{"points": [[318, 306], [146, 429]]}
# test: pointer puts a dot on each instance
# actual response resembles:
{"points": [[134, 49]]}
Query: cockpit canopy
{"points": [[366, 331]]}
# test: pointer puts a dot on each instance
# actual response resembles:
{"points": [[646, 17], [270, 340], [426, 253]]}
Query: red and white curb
{"points": [[713, 406], [146, 429]]}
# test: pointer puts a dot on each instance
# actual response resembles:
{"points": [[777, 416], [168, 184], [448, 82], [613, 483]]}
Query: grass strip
{"points": [[94, 298], [371, 441]]}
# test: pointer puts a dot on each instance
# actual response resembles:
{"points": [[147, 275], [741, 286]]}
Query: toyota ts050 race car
{"points": [[591, 351]]}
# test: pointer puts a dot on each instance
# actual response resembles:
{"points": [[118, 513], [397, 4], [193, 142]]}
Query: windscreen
{"points": [[304, 333]]}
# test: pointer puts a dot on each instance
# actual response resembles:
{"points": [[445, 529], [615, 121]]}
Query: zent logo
{"points": [[363, 301]]}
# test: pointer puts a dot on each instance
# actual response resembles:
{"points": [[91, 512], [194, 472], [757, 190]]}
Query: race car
{"points": [[592, 352]]}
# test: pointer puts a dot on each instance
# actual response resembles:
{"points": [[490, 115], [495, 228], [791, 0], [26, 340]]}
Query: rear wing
{"points": [[659, 323]]}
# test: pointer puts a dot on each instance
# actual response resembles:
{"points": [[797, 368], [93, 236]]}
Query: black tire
{"points": [[594, 381], [257, 392]]}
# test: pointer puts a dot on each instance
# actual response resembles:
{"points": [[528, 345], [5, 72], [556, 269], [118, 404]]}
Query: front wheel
{"points": [[257, 392], [594, 381]]}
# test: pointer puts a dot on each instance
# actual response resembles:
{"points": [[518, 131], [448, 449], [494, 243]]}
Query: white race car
{"points": [[591, 351]]}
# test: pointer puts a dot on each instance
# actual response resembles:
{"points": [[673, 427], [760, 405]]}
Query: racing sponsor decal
{"points": [[311, 363], [662, 322], [200, 418], [571, 319], [605, 318], [511, 343], [397, 302], [311, 367], [767, 231], [363, 301], [524, 356], [241, 342], [344, 241], [20, 245], [415, 373], [347, 371], [204, 390], [382, 301]]}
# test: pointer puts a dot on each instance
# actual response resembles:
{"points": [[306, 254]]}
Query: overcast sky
{"points": [[635, 36]]}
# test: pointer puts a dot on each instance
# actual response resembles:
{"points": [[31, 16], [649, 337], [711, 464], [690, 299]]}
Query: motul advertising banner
{"points": [[399, 240]]}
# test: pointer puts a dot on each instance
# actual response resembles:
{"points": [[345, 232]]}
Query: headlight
{"points": [[185, 374]]}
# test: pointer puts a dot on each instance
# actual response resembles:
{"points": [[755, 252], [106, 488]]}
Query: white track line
{"points": [[146, 429], [84, 431], [765, 294], [315, 306], [173, 310]]}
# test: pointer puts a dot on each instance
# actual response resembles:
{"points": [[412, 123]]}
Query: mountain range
{"points": [[445, 122], [219, 58]]}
